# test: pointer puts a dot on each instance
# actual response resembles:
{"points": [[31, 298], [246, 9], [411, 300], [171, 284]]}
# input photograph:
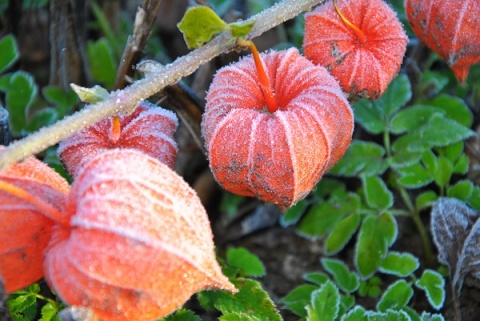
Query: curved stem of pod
{"points": [[359, 33], [115, 130], [43, 207], [268, 93]]}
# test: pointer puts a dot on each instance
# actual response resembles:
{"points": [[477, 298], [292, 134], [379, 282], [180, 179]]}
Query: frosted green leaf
{"points": [[199, 25], [341, 234], [250, 264], [399, 264], [434, 286], [299, 298], [444, 173], [377, 194], [358, 313], [462, 190], [396, 296], [347, 281], [425, 200], [90, 95], [361, 158], [21, 93], [316, 277], [325, 303], [49, 311], [454, 108], [413, 117], [293, 214], [241, 29], [432, 317], [397, 95], [9, 50], [102, 62]]}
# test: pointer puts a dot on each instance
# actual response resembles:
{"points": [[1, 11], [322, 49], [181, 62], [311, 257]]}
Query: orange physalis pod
{"points": [[149, 129], [358, 32], [140, 242], [32, 196], [277, 157]]}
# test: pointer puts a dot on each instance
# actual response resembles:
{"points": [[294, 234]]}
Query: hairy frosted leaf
{"points": [[456, 233], [318, 278], [9, 50], [396, 296], [139, 244], [21, 92], [325, 303], [432, 317], [399, 264], [462, 190], [389, 315], [250, 264], [364, 158], [199, 25], [293, 214], [346, 280], [250, 298], [370, 116], [444, 173], [358, 313], [454, 108], [102, 63], [413, 117], [434, 286], [377, 194], [342, 233], [371, 247], [425, 200], [241, 29], [299, 298], [90, 95]]}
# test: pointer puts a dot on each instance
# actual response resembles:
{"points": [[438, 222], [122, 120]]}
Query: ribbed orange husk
{"points": [[277, 157], [24, 230], [140, 243], [450, 28], [149, 129], [364, 69]]}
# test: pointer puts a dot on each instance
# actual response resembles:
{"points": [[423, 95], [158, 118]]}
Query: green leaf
{"points": [[452, 152], [90, 95], [388, 227], [199, 25], [299, 298], [182, 315], [22, 90], [397, 95], [462, 190], [404, 159], [425, 200], [102, 63], [347, 281], [390, 315], [49, 312], [474, 199], [371, 247], [62, 100], [250, 297], [328, 186], [432, 317], [323, 217], [325, 303], [20, 303], [411, 313], [414, 176], [461, 166], [433, 82], [396, 296], [361, 158], [399, 264], [250, 264], [341, 234], [434, 286], [9, 50], [454, 108], [412, 118], [438, 131], [358, 313], [429, 160], [241, 29], [444, 172], [369, 114], [317, 278], [377, 194], [41, 118], [293, 214]]}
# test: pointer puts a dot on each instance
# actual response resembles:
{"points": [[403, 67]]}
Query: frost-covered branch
{"points": [[123, 101]]}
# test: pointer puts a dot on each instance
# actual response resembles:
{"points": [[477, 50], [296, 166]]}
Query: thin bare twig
{"points": [[123, 101]]}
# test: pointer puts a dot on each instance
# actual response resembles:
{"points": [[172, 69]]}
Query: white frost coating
{"points": [[251, 147], [291, 148], [150, 85]]}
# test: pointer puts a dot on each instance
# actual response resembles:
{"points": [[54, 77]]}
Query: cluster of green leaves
{"points": [[250, 303], [29, 304], [422, 156]]}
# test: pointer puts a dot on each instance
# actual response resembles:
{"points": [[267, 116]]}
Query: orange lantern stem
{"points": [[115, 131], [360, 34], [46, 209], [268, 93]]}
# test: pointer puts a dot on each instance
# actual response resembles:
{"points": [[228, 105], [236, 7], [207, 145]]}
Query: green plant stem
{"points": [[44, 298], [124, 101], [414, 213]]}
